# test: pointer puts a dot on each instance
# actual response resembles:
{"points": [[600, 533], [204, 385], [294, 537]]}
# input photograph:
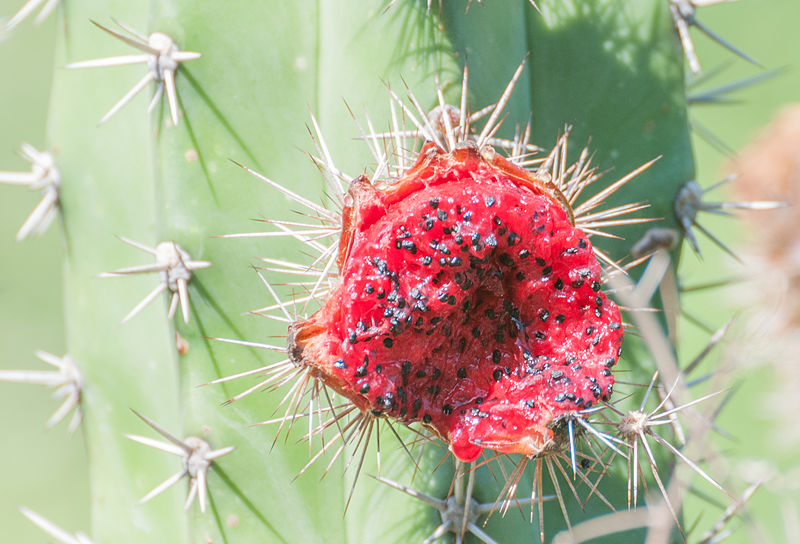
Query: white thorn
{"points": [[162, 58]]}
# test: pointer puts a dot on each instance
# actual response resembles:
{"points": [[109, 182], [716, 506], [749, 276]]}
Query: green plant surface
{"points": [[256, 113], [39, 467]]}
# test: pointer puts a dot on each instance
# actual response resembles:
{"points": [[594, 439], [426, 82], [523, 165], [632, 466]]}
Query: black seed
{"points": [[598, 301], [405, 368], [476, 332], [369, 289], [614, 326], [530, 403], [441, 214], [512, 238], [497, 221], [497, 374], [468, 216], [462, 372], [559, 284], [351, 336], [490, 314], [540, 261], [609, 362], [456, 261], [605, 372], [595, 286], [491, 241], [421, 373], [571, 251], [479, 400], [451, 300], [496, 355], [434, 203], [577, 284], [426, 260], [546, 271], [378, 369], [403, 411], [410, 246], [447, 409], [589, 330], [426, 418], [582, 243], [490, 200], [556, 374], [561, 397], [506, 259], [381, 293], [388, 342], [361, 371], [417, 405], [442, 261], [543, 315], [499, 337], [475, 237], [520, 276], [459, 239], [569, 360], [398, 244], [540, 335], [340, 364], [598, 312], [570, 396], [365, 389], [436, 373]]}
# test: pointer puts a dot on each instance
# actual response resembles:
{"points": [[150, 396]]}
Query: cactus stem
{"points": [[61, 536], [43, 176], [684, 16], [175, 267], [197, 458], [67, 380], [162, 57]]}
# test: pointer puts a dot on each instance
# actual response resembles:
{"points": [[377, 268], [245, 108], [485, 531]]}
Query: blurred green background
{"points": [[45, 469]]}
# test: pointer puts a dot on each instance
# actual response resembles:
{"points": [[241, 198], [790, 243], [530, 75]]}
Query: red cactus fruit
{"points": [[468, 302]]}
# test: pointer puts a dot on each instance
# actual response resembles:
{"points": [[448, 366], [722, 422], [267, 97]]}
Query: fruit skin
{"points": [[468, 302]]}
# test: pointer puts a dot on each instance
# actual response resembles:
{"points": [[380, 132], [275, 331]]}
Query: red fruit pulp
{"points": [[468, 302]]}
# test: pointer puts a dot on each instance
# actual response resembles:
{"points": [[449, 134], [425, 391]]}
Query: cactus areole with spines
{"points": [[468, 302]]}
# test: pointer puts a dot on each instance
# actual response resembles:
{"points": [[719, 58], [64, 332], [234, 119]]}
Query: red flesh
{"points": [[469, 302]]}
